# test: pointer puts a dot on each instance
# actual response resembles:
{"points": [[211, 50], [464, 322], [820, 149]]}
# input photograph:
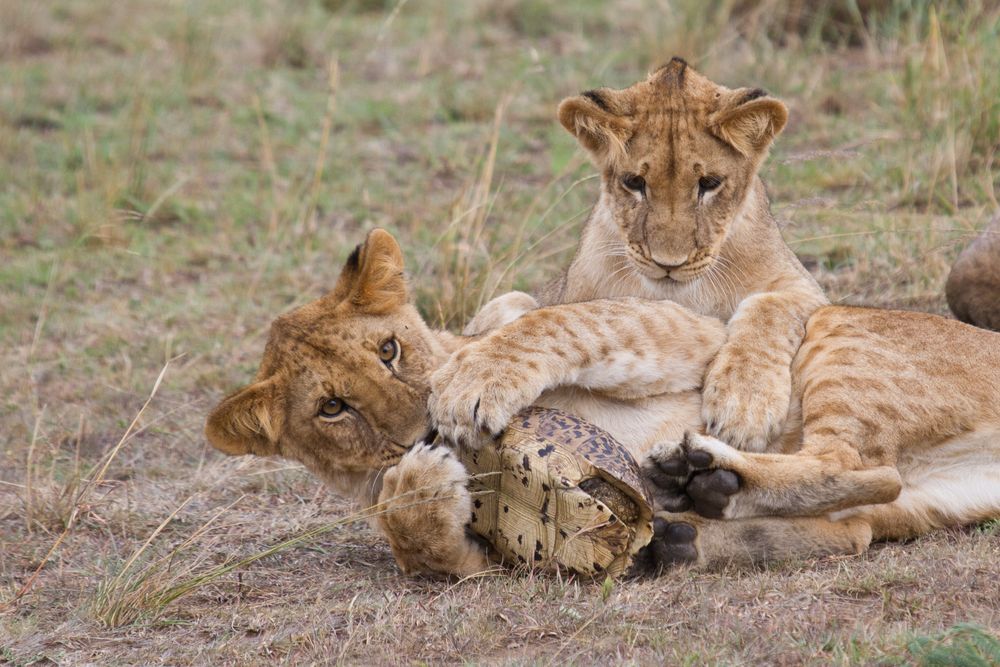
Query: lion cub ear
{"points": [[249, 421], [599, 120], [749, 120], [373, 276]]}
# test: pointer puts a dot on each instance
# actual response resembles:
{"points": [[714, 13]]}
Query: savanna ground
{"points": [[175, 173]]}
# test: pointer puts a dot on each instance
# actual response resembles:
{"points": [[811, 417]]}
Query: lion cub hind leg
{"points": [[705, 543], [674, 543], [425, 507], [722, 482], [954, 484]]}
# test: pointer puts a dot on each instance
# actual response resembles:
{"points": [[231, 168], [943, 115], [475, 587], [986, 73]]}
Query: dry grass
{"points": [[174, 174]]}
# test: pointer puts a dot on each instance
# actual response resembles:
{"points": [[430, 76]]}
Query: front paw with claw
{"points": [[475, 395], [686, 476], [743, 403]]}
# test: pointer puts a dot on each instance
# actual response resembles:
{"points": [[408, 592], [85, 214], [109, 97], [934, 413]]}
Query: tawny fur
{"points": [[973, 286], [894, 428], [716, 251], [899, 409]]}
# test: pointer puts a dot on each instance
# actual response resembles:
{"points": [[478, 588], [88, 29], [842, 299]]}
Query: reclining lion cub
{"points": [[883, 402]]}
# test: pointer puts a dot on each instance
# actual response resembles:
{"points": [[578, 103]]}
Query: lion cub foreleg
{"points": [[747, 388], [500, 311], [623, 349], [424, 508]]}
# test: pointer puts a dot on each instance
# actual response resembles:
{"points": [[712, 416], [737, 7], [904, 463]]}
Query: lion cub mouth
{"points": [[686, 274]]}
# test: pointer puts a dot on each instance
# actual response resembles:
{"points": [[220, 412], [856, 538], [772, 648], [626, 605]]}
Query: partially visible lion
{"points": [[973, 287]]}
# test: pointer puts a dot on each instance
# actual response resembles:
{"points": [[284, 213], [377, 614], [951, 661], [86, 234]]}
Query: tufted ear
{"points": [[249, 421], [373, 277], [599, 120], [748, 120]]}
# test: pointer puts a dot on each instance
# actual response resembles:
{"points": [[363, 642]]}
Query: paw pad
{"points": [[673, 544], [710, 491], [682, 479]]}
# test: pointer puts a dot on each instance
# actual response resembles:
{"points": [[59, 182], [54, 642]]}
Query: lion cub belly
{"points": [[639, 424]]}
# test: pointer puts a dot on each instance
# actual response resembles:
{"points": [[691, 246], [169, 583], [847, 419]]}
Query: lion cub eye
{"points": [[707, 184], [332, 408], [634, 182], [388, 352]]}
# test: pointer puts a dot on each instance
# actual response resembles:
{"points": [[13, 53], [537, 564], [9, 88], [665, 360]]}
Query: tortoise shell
{"points": [[558, 491]]}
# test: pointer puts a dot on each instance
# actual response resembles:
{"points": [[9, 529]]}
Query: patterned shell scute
{"points": [[529, 498], [590, 442]]}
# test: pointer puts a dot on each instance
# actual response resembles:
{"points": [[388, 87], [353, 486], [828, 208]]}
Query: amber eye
{"points": [[634, 182], [708, 183], [332, 408], [388, 351]]}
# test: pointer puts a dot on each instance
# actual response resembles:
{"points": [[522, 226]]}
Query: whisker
{"points": [[725, 285], [372, 497], [733, 289]]}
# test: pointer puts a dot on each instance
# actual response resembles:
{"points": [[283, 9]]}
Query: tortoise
{"points": [[556, 490]]}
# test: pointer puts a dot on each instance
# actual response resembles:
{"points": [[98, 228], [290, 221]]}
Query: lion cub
{"points": [[683, 215]]}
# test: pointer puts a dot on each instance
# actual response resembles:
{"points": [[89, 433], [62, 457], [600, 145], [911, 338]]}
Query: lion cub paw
{"points": [[477, 392], [689, 476], [674, 543], [668, 474], [745, 405], [425, 507]]}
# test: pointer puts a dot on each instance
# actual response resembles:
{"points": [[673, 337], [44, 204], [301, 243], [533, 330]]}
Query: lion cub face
{"points": [[344, 382], [678, 155]]}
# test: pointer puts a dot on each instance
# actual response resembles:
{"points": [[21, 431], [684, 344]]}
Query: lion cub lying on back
{"points": [[895, 427]]}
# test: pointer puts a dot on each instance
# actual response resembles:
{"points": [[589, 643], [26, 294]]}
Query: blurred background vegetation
{"points": [[174, 173]]}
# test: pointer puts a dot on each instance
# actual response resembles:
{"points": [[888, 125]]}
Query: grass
{"points": [[173, 174], [963, 644]]}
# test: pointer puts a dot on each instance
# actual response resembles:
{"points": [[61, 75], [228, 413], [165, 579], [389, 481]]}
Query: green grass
{"points": [[174, 174], [963, 645]]}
